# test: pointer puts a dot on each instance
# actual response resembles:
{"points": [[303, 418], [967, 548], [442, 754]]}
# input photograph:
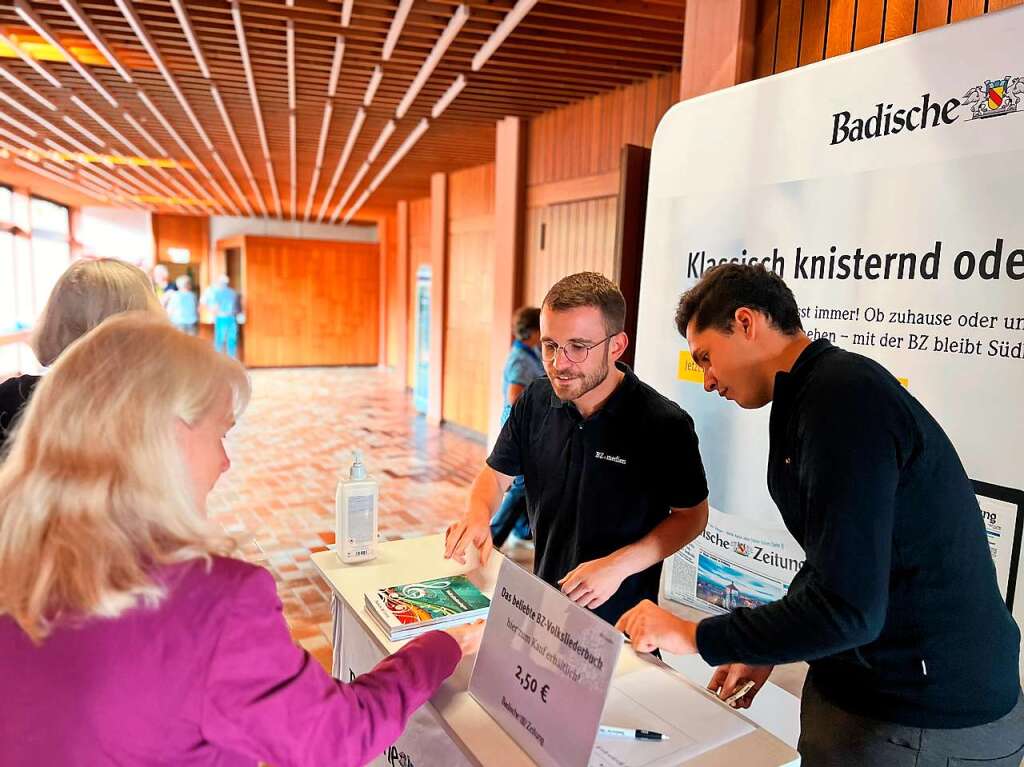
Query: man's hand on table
{"points": [[593, 583], [469, 530], [650, 627]]}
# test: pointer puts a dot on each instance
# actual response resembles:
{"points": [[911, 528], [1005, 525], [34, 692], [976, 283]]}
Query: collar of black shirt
{"points": [[615, 402], [787, 383]]}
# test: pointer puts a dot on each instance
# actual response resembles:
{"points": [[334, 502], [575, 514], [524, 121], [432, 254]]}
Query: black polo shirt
{"points": [[595, 485]]}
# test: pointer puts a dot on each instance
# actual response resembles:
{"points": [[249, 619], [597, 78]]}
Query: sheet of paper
{"points": [[656, 699]]}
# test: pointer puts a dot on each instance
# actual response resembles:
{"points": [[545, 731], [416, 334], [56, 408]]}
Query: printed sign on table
{"points": [[544, 669]]}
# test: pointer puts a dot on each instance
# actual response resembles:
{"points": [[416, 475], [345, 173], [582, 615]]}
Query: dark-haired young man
{"points": [[913, 654], [614, 480]]}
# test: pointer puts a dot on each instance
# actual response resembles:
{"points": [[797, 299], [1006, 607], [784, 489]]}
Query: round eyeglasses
{"points": [[574, 352]]}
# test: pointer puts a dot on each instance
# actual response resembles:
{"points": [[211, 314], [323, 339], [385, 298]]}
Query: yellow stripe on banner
{"points": [[689, 370], [904, 382]]}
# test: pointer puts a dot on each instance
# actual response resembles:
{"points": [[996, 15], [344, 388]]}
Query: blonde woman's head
{"points": [[85, 295], [107, 475]]}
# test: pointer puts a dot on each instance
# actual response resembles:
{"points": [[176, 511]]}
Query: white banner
{"points": [[886, 187]]}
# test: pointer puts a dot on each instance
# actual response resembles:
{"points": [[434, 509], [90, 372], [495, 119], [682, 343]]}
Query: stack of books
{"points": [[411, 609]]}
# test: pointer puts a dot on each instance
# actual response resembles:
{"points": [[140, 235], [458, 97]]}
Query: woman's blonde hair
{"points": [[86, 294], [95, 492]]}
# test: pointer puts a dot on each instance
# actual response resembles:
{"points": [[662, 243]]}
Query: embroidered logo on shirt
{"points": [[612, 458]]}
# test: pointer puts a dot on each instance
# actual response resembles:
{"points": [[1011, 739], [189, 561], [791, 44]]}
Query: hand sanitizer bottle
{"points": [[356, 509]]}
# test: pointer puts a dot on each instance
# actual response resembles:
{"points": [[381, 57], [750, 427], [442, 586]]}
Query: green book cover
{"points": [[438, 599]]}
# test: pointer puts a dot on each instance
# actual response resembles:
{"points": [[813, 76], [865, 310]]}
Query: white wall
{"points": [[116, 233], [229, 226]]}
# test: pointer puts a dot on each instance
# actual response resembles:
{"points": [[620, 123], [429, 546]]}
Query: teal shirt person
{"points": [[222, 300], [224, 303]]}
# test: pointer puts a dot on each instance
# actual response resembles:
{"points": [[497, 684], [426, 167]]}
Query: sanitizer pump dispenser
{"points": [[356, 508]]}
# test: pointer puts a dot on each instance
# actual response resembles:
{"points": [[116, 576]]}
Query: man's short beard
{"points": [[589, 382]]}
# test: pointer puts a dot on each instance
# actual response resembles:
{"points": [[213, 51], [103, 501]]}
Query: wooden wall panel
{"points": [[419, 255], [932, 13], [868, 24], [812, 35], [190, 232], [585, 138], [391, 302], [578, 236], [787, 37], [792, 33], [311, 302], [965, 9], [899, 18], [839, 35], [470, 297]]}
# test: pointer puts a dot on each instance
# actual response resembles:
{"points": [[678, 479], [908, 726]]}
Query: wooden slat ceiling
{"points": [[561, 51]]}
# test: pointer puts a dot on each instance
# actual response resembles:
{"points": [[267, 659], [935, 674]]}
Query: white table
{"points": [[453, 729]]}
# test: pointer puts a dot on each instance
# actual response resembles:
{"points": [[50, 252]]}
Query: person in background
{"points": [[127, 635], [614, 479], [913, 653], [522, 366], [225, 305], [87, 293], [183, 307], [162, 283]]}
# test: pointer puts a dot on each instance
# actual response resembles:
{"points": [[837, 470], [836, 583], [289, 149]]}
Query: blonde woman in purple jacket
{"points": [[127, 636]]}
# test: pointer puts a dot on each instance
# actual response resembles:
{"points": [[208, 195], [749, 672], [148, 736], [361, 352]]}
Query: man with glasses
{"points": [[614, 479]]}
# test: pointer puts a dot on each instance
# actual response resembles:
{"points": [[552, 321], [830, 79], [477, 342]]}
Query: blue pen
{"points": [[629, 732]]}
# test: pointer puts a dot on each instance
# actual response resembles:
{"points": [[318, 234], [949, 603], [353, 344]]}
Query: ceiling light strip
{"points": [[14, 80], [132, 16], [25, 57], [356, 180], [321, 147], [455, 23], [346, 153], [448, 96], [75, 12], [29, 16], [292, 118], [371, 86], [400, 153], [32, 167], [197, 53], [166, 125], [190, 35], [243, 49], [358, 204], [395, 31], [382, 139], [233, 136], [501, 32]]}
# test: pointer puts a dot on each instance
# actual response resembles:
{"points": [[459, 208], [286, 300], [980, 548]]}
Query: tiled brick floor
{"points": [[288, 451]]}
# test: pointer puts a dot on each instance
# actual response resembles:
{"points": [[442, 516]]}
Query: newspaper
{"points": [[1000, 523], [733, 563]]}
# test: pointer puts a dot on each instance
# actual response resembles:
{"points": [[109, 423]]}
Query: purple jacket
{"points": [[211, 677]]}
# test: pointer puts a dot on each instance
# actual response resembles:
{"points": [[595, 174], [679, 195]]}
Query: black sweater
{"points": [[14, 394], [897, 606]]}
